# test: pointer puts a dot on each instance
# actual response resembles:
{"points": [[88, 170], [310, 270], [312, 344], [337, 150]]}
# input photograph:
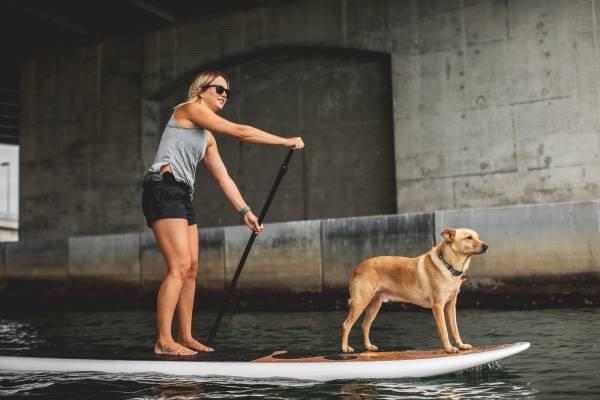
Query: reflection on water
{"points": [[21, 384], [563, 362], [167, 387], [17, 335]]}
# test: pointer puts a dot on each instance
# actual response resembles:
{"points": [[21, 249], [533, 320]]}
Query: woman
{"points": [[167, 199]]}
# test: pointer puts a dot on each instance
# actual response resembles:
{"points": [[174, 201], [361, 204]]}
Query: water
{"points": [[563, 361]]}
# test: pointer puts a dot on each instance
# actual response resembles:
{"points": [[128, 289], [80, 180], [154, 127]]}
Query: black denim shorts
{"points": [[164, 197]]}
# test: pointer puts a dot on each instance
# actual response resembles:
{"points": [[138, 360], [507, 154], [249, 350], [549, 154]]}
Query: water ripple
{"points": [[17, 335], [563, 357]]}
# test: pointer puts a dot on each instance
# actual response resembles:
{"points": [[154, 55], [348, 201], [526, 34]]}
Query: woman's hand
{"points": [[252, 222], [294, 143]]}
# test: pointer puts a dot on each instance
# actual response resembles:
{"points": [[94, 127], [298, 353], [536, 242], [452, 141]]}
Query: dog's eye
{"points": [[469, 237]]}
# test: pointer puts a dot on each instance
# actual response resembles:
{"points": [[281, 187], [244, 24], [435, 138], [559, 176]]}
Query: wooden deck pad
{"points": [[374, 355]]}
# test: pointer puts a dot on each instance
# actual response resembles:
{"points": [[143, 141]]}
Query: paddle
{"points": [[282, 171]]}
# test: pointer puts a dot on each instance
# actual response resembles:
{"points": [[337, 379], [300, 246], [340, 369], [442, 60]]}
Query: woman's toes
{"points": [[196, 345], [173, 349]]}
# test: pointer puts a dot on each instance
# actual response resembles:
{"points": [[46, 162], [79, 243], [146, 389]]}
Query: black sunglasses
{"points": [[219, 89]]}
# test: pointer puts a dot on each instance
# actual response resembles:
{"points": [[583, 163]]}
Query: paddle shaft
{"points": [[238, 271]]}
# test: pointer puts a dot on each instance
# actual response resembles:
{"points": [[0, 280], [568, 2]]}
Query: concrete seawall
{"points": [[540, 255]]}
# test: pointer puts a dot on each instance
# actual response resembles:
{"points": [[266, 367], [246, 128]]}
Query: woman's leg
{"points": [[185, 307], [173, 241]]}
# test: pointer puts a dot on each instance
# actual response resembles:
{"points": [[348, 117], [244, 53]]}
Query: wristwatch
{"points": [[244, 210]]}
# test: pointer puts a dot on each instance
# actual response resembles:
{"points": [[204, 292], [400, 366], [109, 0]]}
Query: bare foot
{"points": [[196, 345], [172, 349]]}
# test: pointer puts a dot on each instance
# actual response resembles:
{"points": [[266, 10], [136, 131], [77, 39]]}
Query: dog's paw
{"points": [[464, 346], [371, 347], [347, 349], [451, 350]]}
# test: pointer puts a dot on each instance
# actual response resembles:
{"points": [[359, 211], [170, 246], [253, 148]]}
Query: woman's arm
{"points": [[205, 118], [214, 164]]}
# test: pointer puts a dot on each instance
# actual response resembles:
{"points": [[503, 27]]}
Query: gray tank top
{"points": [[183, 148]]}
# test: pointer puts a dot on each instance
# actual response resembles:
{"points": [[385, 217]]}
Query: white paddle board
{"points": [[368, 365]]}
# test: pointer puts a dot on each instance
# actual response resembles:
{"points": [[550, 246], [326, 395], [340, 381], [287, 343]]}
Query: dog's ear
{"points": [[448, 234]]}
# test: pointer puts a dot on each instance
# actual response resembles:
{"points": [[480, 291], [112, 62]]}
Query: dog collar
{"points": [[452, 270]]}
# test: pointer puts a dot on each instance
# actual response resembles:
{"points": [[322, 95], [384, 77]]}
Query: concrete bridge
{"points": [[486, 107]]}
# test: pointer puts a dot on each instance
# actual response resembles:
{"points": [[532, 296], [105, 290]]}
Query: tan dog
{"points": [[431, 280]]}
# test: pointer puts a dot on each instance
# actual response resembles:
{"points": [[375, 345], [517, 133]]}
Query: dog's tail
{"points": [[350, 290]]}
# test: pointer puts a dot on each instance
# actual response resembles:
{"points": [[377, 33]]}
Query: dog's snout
{"points": [[484, 247]]}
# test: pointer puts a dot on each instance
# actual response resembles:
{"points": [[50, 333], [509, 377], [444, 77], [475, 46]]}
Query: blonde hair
{"points": [[202, 80]]}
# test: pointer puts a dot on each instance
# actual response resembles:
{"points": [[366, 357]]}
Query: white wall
{"points": [[9, 154]]}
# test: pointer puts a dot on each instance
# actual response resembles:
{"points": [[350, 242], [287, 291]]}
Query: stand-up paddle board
{"points": [[370, 365]]}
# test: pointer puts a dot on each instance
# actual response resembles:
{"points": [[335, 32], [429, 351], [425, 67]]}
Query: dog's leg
{"points": [[451, 313], [356, 306], [370, 314], [353, 314], [440, 321]]}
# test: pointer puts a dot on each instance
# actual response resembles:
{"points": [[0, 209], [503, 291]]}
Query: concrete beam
{"points": [[42, 260], [532, 241], [152, 263], [286, 258], [348, 241], [112, 258], [59, 21], [35, 270], [211, 264], [159, 12], [2, 266]]}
